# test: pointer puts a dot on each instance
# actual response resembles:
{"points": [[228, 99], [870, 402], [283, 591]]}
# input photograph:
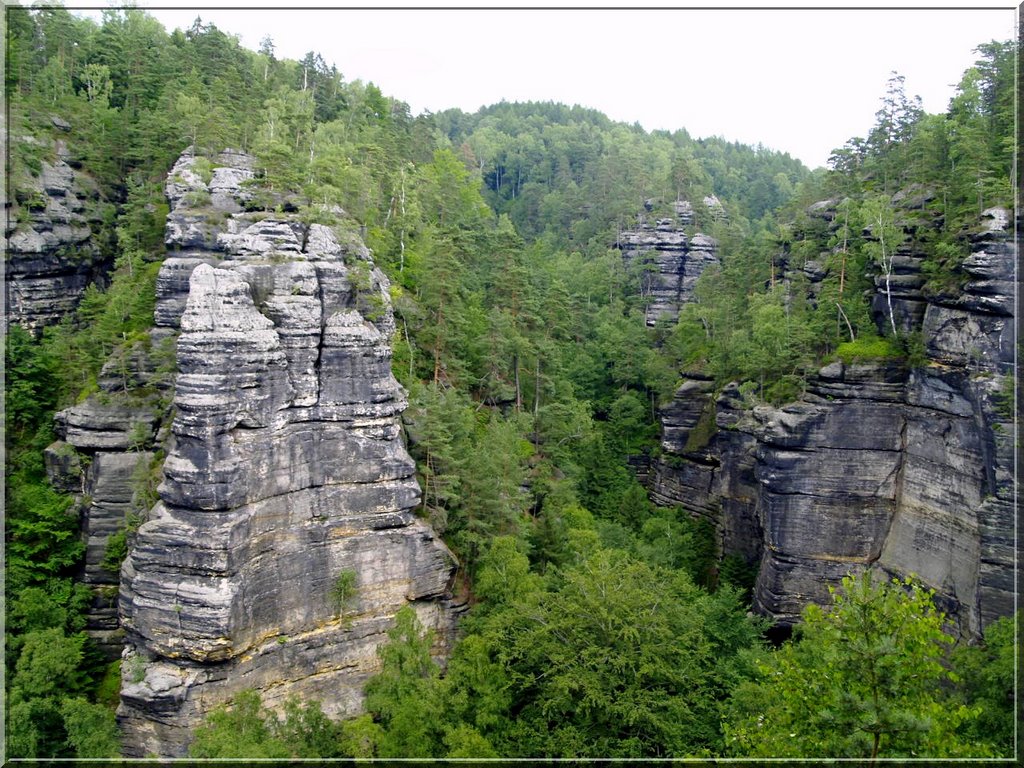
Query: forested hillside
{"points": [[595, 623]]}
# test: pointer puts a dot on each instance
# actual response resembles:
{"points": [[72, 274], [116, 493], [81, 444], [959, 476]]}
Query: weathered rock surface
{"points": [[670, 261], [909, 472], [106, 457], [286, 468], [53, 252]]}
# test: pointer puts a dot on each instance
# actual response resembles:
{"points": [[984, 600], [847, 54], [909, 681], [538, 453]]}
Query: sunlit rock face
{"points": [[285, 469], [876, 466], [53, 251], [668, 260]]}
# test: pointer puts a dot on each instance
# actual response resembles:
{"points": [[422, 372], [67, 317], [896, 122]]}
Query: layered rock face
{"points": [[52, 251], [107, 456], [670, 260], [285, 476], [909, 472]]}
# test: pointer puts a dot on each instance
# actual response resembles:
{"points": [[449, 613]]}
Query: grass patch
{"points": [[869, 348]]}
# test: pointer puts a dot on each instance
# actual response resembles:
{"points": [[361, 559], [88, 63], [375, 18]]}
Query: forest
{"points": [[599, 624]]}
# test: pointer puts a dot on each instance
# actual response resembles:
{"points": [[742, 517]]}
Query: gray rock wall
{"points": [[106, 456], [285, 469], [910, 472], [670, 261], [53, 253]]}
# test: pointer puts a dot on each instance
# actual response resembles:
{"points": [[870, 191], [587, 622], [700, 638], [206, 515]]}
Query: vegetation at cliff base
{"points": [[610, 658], [862, 680]]}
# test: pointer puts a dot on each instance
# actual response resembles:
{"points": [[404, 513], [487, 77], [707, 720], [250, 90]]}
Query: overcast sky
{"points": [[800, 81]]}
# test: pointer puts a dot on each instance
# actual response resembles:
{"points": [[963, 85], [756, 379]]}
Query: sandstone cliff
{"points": [[876, 465], [108, 454], [285, 471], [54, 247], [670, 261]]}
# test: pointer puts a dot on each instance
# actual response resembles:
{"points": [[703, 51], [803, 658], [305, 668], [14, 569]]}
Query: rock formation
{"points": [[876, 465], [285, 471], [670, 261], [53, 251], [107, 456]]}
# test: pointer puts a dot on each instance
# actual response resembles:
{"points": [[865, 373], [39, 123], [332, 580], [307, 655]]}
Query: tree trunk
{"points": [[536, 404], [844, 317], [887, 268], [519, 394]]}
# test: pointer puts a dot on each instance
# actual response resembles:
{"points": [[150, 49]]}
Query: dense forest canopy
{"points": [[532, 378]]}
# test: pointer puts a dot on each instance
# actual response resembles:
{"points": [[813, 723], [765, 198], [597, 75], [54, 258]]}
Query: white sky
{"points": [[801, 81]]}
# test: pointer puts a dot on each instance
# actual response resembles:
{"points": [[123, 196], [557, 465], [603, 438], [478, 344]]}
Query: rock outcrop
{"points": [[877, 465], [53, 249], [285, 474], [670, 261], [107, 456]]}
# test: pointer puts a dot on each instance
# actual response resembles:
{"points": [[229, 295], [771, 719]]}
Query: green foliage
{"points": [[55, 605], [34, 729], [612, 659], [117, 544], [43, 539], [504, 575], [703, 430], [248, 730], [105, 321], [1005, 399], [137, 669], [736, 572], [91, 728], [941, 266], [985, 682], [30, 396], [402, 697], [869, 348], [596, 658], [308, 732], [245, 731], [48, 665], [108, 691], [48, 715], [343, 591], [472, 470], [862, 680], [671, 538]]}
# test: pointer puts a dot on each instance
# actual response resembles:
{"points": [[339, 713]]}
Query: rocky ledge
{"points": [[286, 475]]}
